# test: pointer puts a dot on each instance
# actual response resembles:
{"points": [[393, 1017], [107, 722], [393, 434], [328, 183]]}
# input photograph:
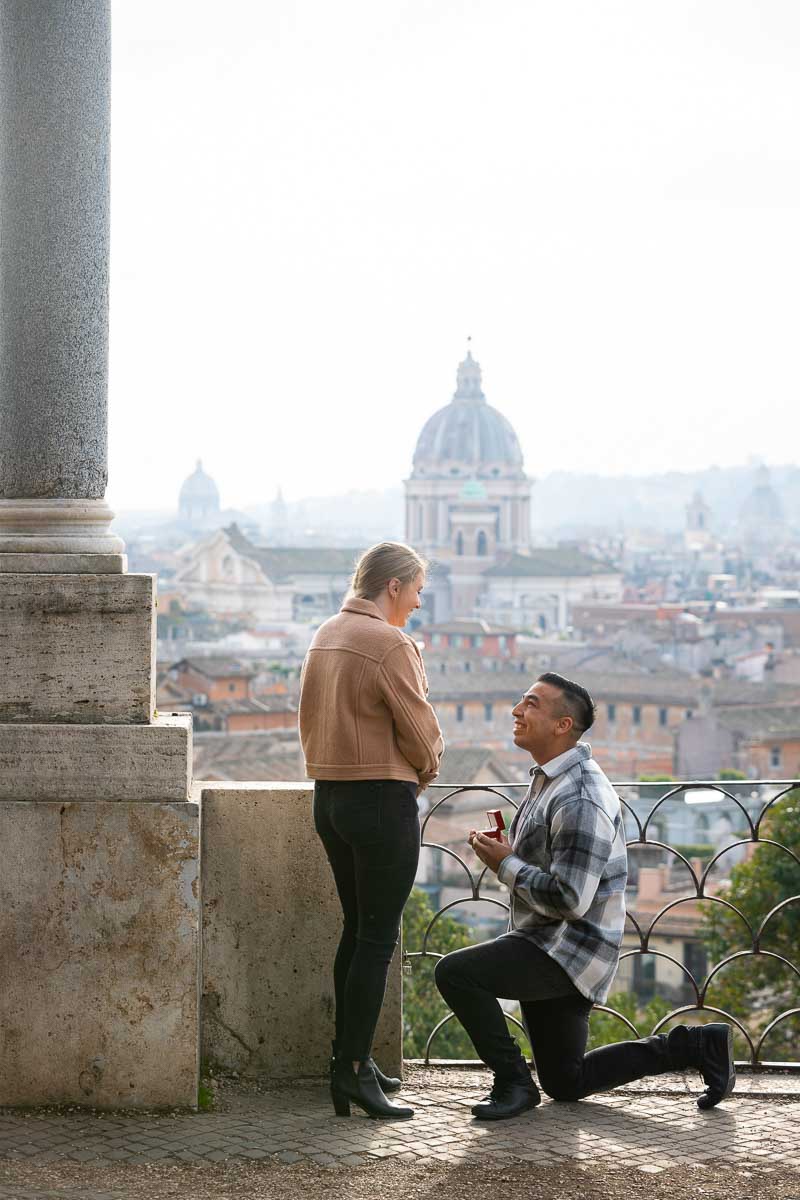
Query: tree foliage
{"points": [[757, 989]]}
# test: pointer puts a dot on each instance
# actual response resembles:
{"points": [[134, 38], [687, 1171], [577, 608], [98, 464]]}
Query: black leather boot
{"points": [[363, 1089], [388, 1083], [508, 1098], [711, 1048]]}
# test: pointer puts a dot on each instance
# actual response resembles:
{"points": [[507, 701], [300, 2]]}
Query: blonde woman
{"points": [[371, 743]]}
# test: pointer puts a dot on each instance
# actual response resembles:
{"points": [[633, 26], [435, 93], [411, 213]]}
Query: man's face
{"points": [[539, 719]]}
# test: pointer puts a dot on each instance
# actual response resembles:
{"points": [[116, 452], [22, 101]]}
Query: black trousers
{"points": [[370, 831], [556, 1017]]}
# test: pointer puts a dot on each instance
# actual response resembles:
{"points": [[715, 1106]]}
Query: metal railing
{"points": [[642, 818]]}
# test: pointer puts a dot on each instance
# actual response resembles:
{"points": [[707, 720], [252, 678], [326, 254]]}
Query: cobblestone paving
{"points": [[637, 1128]]}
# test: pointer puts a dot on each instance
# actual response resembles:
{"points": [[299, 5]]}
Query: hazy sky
{"points": [[315, 203]]}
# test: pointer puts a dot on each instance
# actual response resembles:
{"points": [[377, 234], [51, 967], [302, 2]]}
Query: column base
{"points": [[63, 564], [64, 537]]}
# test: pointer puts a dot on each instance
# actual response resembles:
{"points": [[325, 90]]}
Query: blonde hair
{"points": [[379, 564]]}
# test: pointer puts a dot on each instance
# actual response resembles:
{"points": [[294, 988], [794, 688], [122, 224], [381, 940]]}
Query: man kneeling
{"points": [[565, 866]]}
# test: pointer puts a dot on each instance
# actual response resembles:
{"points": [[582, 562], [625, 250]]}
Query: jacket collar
{"points": [[365, 608], [562, 762]]}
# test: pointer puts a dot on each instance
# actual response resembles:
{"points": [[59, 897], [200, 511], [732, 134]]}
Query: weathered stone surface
{"points": [[99, 929], [54, 183], [63, 564], [271, 923], [97, 762], [77, 648]]}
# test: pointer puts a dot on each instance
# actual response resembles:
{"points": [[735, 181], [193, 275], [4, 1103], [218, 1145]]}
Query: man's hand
{"points": [[488, 850]]}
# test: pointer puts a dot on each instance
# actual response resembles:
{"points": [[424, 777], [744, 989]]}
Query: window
{"points": [[459, 712], [612, 713], [663, 715], [689, 714], [482, 544], [436, 639], [231, 687], [459, 543], [467, 666], [455, 640], [637, 714], [775, 756], [488, 712]]}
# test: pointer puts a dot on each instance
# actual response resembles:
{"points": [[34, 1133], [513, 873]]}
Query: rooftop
{"points": [[280, 563], [556, 562]]}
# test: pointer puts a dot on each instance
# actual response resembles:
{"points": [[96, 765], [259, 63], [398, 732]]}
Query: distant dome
{"points": [[762, 505], [199, 497], [468, 434]]}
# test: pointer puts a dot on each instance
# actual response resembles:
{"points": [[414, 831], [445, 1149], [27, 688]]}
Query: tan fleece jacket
{"points": [[363, 708]]}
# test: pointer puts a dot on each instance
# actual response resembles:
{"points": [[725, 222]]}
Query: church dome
{"points": [[199, 497], [468, 435]]}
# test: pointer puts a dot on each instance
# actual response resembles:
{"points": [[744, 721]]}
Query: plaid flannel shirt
{"points": [[568, 869]]}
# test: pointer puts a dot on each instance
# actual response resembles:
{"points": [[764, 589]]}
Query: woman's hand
{"points": [[489, 850]]}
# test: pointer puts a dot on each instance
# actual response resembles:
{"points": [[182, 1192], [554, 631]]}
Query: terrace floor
{"points": [[283, 1140]]}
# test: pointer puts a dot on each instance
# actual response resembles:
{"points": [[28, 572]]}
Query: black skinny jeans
{"points": [[370, 831], [556, 1017]]}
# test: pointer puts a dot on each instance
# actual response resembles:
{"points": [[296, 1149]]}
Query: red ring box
{"points": [[498, 824]]}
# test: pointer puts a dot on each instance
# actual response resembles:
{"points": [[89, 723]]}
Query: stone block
{"points": [[271, 924], [77, 649], [97, 762], [99, 929]]}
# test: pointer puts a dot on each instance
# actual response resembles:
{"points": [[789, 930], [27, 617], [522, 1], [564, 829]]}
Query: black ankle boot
{"points": [[508, 1098], [708, 1048], [388, 1083], [715, 1062], [363, 1089]]}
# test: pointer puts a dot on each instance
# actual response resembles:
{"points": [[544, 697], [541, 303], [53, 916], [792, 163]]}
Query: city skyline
{"points": [[314, 207]]}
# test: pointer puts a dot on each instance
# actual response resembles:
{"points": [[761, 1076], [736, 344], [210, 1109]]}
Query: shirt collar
{"points": [[562, 762], [365, 608]]}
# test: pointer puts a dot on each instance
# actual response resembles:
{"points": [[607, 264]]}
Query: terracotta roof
{"points": [[268, 755], [216, 668]]}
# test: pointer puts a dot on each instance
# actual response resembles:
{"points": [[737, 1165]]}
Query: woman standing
{"points": [[371, 743]]}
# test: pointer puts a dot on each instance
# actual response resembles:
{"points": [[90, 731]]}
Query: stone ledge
{"points": [[97, 762]]}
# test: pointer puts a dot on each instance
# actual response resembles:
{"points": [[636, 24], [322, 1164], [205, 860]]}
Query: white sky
{"points": [[314, 203]]}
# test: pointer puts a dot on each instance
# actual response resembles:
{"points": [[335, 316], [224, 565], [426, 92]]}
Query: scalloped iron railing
{"points": [[641, 817]]}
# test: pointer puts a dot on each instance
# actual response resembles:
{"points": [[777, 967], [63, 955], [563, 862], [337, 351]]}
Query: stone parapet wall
{"points": [[271, 923]]}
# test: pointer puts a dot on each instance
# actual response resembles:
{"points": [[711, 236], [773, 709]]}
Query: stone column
{"points": [[99, 888], [54, 234]]}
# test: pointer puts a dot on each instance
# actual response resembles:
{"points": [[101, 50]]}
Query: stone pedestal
{"points": [[99, 929], [99, 887], [77, 648]]}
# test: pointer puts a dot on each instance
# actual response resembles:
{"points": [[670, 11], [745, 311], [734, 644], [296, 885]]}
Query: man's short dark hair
{"points": [[578, 704]]}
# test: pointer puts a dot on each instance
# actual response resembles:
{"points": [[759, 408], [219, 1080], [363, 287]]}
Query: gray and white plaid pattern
{"points": [[569, 868]]}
